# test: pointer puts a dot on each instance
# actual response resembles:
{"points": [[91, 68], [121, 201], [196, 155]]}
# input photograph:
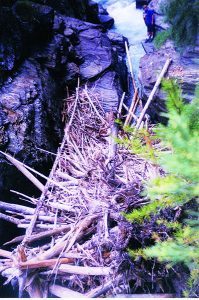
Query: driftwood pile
{"points": [[76, 236], [75, 239]]}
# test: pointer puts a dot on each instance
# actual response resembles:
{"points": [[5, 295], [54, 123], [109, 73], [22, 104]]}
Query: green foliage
{"points": [[138, 215], [161, 38], [182, 248], [183, 16], [179, 186], [139, 142], [137, 253]]}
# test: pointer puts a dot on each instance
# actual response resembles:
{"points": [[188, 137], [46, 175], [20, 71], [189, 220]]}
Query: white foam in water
{"points": [[128, 22]]}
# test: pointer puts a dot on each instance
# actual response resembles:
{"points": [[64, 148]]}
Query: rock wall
{"points": [[184, 68], [44, 48]]}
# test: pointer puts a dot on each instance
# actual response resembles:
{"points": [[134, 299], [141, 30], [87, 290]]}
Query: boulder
{"points": [[101, 59], [107, 89], [95, 50], [106, 20]]}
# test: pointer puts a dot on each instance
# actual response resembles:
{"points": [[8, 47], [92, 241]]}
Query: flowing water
{"points": [[128, 22]]}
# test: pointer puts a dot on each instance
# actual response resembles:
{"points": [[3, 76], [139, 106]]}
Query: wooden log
{"points": [[60, 206], [87, 271], [23, 170], [48, 152], [129, 116], [151, 96], [40, 236], [34, 264], [93, 106], [5, 253], [47, 219], [74, 108], [9, 219], [33, 200], [131, 113], [112, 149], [97, 292], [63, 245], [38, 173], [66, 176], [120, 105], [16, 208], [81, 226], [130, 65], [63, 292], [136, 104], [40, 226]]}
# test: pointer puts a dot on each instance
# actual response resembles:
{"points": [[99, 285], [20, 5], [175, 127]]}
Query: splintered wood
{"points": [[75, 239]]}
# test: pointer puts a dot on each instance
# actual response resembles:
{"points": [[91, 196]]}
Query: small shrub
{"points": [[161, 38], [179, 187]]}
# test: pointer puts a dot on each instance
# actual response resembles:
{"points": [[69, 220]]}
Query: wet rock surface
{"points": [[44, 48]]}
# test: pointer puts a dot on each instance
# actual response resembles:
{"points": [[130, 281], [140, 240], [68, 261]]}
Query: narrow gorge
{"points": [[51, 51]]}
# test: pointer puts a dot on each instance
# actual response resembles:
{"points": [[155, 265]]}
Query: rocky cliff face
{"points": [[44, 48], [184, 67]]}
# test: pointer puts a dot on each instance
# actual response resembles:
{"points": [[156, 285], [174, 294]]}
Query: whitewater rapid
{"points": [[128, 22]]}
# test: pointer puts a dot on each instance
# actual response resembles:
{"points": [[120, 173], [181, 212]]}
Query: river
{"points": [[128, 22]]}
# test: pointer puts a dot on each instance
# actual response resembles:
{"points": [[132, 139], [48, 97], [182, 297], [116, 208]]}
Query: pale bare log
{"points": [[47, 219], [158, 81], [129, 116], [94, 293], [66, 176], [120, 105], [40, 236], [112, 143], [63, 292], [9, 219], [87, 271], [36, 172], [130, 113], [5, 253], [74, 108], [40, 226], [61, 206], [91, 102], [16, 208], [32, 200], [130, 65], [23, 170], [46, 151], [79, 229]]}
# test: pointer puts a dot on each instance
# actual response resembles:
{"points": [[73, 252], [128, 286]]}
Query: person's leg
{"points": [[148, 33]]}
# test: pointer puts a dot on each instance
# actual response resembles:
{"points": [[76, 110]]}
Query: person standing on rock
{"points": [[149, 20]]}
